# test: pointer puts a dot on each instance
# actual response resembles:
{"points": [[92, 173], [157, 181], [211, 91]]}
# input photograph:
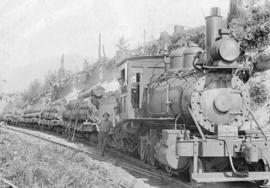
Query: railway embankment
{"points": [[30, 162]]}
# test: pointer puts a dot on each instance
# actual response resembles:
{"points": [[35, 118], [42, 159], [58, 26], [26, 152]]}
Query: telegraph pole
{"points": [[144, 36], [99, 47], [104, 54]]}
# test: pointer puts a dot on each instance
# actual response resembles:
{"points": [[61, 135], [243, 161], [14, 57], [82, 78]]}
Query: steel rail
{"points": [[149, 173], [8, 183]]}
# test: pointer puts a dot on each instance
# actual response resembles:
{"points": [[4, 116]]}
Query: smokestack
{"points": [[213, 25]]}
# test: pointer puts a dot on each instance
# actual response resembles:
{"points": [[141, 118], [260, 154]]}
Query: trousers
{"points": [[102, 141]]}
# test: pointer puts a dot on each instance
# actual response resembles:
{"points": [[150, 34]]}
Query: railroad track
{"points": [[146, 172]]}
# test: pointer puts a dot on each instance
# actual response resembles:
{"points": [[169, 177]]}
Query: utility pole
{"points": [[99, 47], [62, 61], [144, 36], [100, 61], [143, 47], [104, 54]]}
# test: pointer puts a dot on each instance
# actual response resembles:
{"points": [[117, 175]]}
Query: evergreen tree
{"points": [[122, 49]]}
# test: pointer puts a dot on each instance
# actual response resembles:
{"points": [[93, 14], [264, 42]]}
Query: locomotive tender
{"points": [[187, 110]]}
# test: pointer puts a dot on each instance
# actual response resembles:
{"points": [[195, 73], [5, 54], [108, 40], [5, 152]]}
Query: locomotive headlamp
{"points": [[225, 48], [229, 50]]}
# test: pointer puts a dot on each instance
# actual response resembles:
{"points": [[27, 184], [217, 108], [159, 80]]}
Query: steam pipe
{"points": [[196, 123], [175, 122]]}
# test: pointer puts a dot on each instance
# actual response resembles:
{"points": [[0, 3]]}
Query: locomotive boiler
{"points": [[186, 110], [209, 89]]}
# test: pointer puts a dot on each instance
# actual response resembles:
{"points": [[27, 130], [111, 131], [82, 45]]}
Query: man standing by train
{"points": [[103, 135]]}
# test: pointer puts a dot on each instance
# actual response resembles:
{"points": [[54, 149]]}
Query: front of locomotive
{"points": [[220, 100], [218, 103]]}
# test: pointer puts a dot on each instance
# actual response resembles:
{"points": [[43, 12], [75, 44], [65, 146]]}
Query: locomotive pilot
{"points": [[103, 135]]}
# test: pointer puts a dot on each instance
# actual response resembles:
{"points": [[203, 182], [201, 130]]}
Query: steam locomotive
{"points": [[187, 111]]}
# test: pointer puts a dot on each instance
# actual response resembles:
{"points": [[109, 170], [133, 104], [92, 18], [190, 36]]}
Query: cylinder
{"points": [[166, 150], [213, 25]]}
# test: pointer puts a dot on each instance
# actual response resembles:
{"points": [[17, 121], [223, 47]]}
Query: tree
{"points": [[258, 93], [15, 102], [33, 91], [122, 44], [50, 77], [234, 11], [122, 49], [250, 26]]}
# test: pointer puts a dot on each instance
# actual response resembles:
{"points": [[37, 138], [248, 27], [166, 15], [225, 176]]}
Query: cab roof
{"points": [[139, 58]]}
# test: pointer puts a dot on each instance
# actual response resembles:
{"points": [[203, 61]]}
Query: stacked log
{"points": [[77, 110], [31, 115], [54, 111], [31, 112], [97, 91]]}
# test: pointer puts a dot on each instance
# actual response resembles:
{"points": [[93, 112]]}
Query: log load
{"points": [[77, 110]]}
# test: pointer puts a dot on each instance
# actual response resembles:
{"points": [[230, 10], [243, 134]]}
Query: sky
{"points": [[35, 33]]}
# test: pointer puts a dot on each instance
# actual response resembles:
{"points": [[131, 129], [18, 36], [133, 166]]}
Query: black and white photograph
{"points": [[135, 93]]}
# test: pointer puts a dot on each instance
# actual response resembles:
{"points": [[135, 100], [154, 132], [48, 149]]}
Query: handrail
{"points": [[176, 119], [196, 123], [258, 125]]}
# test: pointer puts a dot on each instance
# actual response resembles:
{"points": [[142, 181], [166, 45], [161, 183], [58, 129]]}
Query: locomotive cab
{"points": [[135, 73]]}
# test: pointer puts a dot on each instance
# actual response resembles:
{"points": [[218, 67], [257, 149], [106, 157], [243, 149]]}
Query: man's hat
{"points": [[106, 113]]}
